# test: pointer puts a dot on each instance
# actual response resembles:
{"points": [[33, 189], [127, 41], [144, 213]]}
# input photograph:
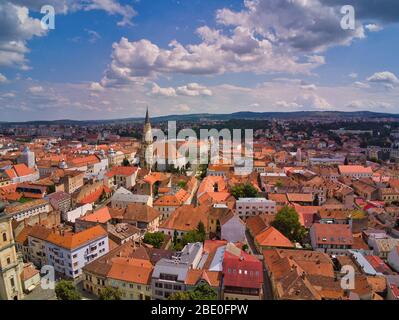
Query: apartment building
{"points": [[26, 210], [169, 275], [249, 207], [68, 253]]}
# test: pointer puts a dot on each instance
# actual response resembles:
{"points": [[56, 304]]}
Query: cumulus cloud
{"points": [[166, 92], [310, 25], [312, 101], [17, 27], [386, 78], [193, 90], [182, 107], [112, 7], [372, 27]]}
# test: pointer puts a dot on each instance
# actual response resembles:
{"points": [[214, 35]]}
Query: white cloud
{"points": [[95, 86], [193, 90], [312, 101], [166, 92], [373, 27], [36, 89], [368, 105], [182, 108], [353, 75], [386, 78], [361, 85], [17, 27], [3, 78]]}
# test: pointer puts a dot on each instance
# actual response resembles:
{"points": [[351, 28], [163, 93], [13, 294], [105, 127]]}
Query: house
{"points": [[302, 275], [142, 216], [30, 277], [92, 218], [68, 253], [21, 211], [355, 172], [196, 277], [271, 237], [123, 232], [393, 258], [19, 173], [242, 275], [121, 177], [170, 275], [128, 268], [331, 237], [382, 247], [122, 198], [185, 219], [60, 201], [303, 199], [247, 207], [232, 228], [167, 204]]}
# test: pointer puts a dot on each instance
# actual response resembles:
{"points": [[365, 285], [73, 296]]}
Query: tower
{"points": [[147, 148], [27, 157]]}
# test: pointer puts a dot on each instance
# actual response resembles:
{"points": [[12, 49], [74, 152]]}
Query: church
{"points": [[147, 145]]}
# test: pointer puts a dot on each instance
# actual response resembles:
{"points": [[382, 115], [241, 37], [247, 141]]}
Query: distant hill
{"points": [[244, 115]]}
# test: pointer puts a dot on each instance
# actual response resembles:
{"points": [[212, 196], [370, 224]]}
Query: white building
{"points": [[69, 253], [122, 198], [248, 207], [23, 211], [72, 215]]}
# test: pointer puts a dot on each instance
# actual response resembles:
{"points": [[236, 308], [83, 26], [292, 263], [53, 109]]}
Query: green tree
{"points": [[244, 191], [201, 229], [66, 290], [201, 292], [287, 222], [110, 293], [155, 239]]}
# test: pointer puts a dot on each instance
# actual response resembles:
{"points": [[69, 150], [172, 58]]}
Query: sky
{"points": [[110, 59]]}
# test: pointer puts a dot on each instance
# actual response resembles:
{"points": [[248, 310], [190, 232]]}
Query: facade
{"points": [[26, 210], [170, 275], [331, 238], [121, 177], [69, 253], [122, 198], [249, 207], [11, 264]]}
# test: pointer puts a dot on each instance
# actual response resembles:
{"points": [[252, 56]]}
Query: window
{"points": [[12, 282], [4, 236], [8, 260]]}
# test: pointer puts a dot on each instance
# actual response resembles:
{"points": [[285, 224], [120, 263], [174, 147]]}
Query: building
{"points": [[122, 198], [393, 258], [60, 201], [19, 173], [11, 265], [26, 210], [301, 275], [249, 207], [68, 253], [121, 177], [242, 275], [170, 275], [355, 172], [147, 147], [331, 238], [28, 158]]}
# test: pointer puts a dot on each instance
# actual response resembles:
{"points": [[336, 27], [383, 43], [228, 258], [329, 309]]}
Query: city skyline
{"points": [[109, 59]]}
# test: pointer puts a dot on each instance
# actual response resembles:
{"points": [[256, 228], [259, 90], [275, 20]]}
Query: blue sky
{"points": [[111, 58]]}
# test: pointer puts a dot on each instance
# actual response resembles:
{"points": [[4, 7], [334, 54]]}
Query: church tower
{"points": [[147, 148]]}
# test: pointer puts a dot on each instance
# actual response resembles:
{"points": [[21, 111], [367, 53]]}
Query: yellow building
{"points": [[11, 265]]}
